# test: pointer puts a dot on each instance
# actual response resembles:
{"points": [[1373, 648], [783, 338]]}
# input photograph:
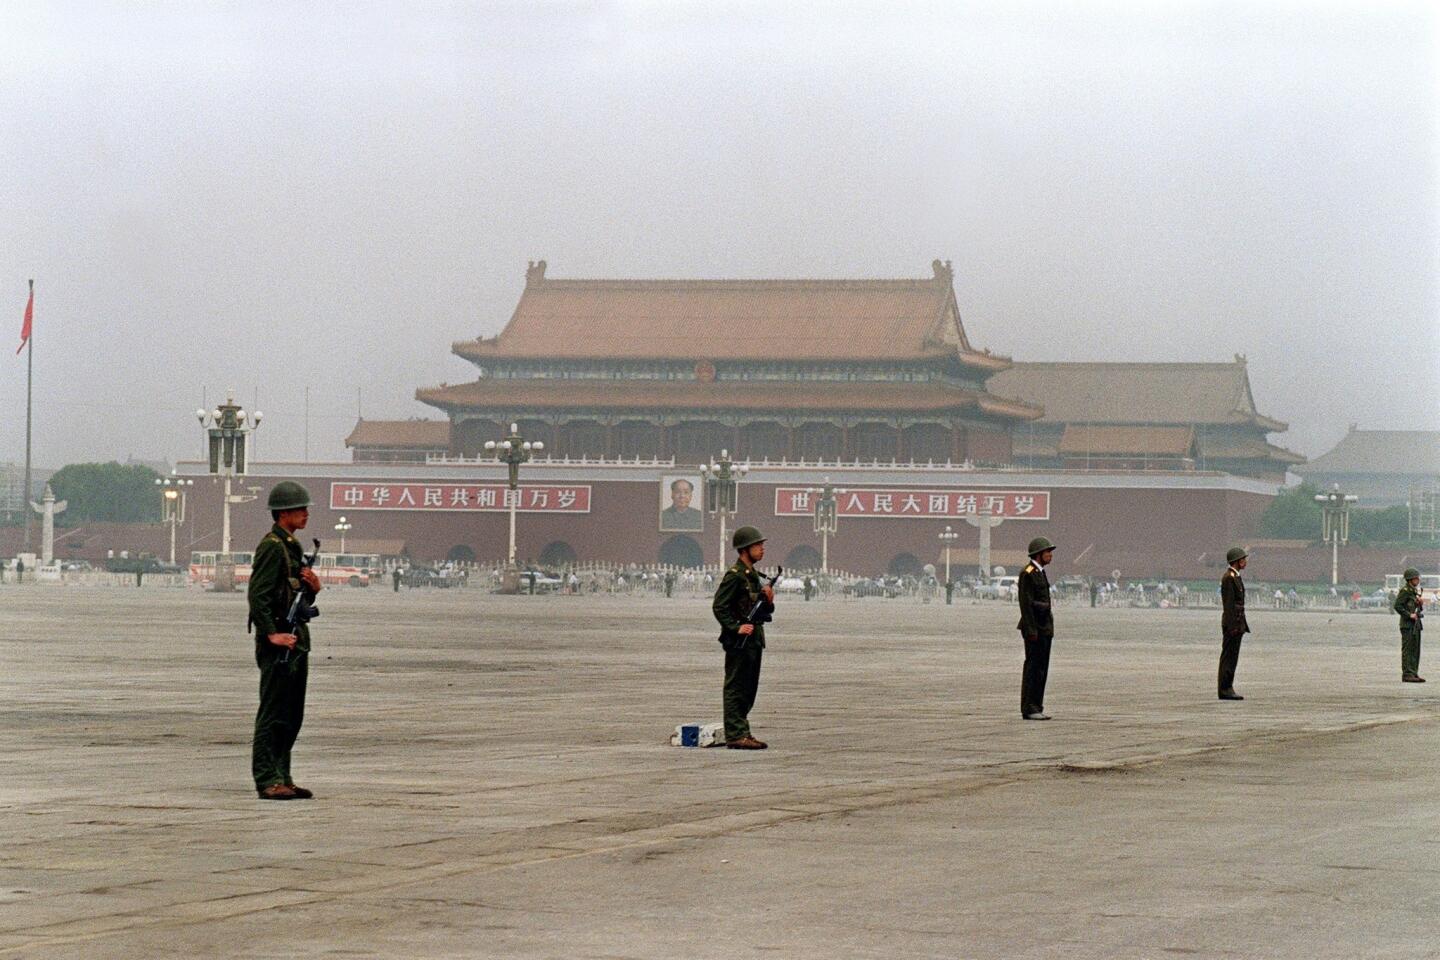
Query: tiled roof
{"points": [[401, 434], [735, 320], [774, 397], [1135, 393], [1151, 441], [1245, 448], [1380, 451]]}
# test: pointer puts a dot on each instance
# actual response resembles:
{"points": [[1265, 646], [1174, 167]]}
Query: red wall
{"points": [[1142, 532]]}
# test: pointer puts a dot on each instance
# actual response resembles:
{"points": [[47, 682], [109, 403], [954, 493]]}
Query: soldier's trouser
{"points": [[742, 682], [1229, 660], [1033, 677], [1409, 652], [277, 722]]}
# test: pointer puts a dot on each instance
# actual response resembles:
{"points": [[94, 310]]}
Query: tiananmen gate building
{"points": [[873, 384]]}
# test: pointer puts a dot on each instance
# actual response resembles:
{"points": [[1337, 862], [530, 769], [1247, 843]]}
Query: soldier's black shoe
{"points": [[300, 792], [278, 791], [1037, 716], [1230, 695], [745, 743], [1413, 679]]}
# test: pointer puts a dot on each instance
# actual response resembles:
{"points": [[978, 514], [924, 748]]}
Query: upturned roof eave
{"points": [[450, 399], [492, 350]]}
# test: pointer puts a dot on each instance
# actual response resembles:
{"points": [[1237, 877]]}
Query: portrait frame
{"points": [[687, 516]]}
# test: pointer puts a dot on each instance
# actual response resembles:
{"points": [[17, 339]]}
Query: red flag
{"points": [[29, 319]]}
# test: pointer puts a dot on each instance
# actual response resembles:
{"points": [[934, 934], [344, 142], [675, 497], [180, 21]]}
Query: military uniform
{"points": [[736, 596], [274, 581], [1233, 627], [1037, 628], [1412, 624]]}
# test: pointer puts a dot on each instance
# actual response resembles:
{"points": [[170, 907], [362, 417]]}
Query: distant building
{"points": [[833, 370], [1144, 416], [398, 441], [1379, 466]]}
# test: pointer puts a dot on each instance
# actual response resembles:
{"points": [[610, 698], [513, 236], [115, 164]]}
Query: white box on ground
{"points": [[698, 735]]}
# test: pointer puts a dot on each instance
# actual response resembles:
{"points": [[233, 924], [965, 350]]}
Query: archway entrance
{"points": [[905, 565], [557, 553], [803, 557], [681, 551], [460, 553]]}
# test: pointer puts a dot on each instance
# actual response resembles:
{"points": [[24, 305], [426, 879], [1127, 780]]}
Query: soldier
{"points": [[1411, 607], [1037, 627], [744, 642], [1233, 625], [281, 649]]}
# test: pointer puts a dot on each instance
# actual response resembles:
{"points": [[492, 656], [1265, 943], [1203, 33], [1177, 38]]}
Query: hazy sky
{"points": [[211, 196]]}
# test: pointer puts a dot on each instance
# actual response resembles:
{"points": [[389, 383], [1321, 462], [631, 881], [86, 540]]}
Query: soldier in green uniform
{"points": [[1411, 607], [744, 642], [1233, 625], [1037, 628], [281, 649]]}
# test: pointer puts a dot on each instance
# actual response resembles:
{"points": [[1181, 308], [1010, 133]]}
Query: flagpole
{"points": [[29, 381]]}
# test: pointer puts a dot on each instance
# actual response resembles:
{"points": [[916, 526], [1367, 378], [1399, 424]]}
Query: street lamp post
{"points": [[827, 519], [342, 528], [513, 451], [173, 490], [948, 536], [1335, 524], [722, 480], [227, 429]]}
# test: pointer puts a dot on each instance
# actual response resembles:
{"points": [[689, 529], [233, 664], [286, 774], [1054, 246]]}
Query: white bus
{"points": [[335, 569]]}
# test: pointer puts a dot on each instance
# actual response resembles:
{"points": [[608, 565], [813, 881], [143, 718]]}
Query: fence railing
{"points": [[96, 578]]}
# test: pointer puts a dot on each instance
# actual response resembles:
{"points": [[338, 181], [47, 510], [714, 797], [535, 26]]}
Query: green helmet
{"points": [[288, 495], [1235, 554], [746, 537], [1039, 545], [1411, 573]]}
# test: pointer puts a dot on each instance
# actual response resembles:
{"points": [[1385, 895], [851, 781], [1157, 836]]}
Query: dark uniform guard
{"points": [[744, 641], [1037, 627], [282, 650], [1233, 625], [1411, 607]]}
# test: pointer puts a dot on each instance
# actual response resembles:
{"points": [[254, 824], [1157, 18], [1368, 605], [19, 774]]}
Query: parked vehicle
{"points": [[539, 581], [1007, 587]]}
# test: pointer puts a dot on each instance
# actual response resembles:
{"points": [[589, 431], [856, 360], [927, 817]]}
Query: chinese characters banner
{"points": [[459, 496], [924, 504]]}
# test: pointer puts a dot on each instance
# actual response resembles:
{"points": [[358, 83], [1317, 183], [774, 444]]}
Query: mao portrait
{"points": [[678, 512]]}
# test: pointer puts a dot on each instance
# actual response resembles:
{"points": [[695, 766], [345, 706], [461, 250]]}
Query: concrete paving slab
{"points": [[493, 780]]}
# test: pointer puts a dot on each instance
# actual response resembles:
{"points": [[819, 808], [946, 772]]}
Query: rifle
{"points": [[302, 608], [759, 614]]}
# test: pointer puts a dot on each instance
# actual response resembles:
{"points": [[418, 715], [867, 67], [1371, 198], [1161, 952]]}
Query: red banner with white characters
{"points": [[924, 504], [472, 497]]}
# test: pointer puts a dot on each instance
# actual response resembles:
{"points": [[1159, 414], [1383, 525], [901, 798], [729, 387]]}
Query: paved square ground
{"points": [[494, 781]]}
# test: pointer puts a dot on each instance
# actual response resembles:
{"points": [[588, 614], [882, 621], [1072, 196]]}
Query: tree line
{"points": [[1295, 515], [104, 493]]}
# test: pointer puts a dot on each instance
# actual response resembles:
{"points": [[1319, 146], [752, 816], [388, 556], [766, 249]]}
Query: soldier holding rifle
{"points": [[1411, 607], [743, 635], [281, 648]]}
